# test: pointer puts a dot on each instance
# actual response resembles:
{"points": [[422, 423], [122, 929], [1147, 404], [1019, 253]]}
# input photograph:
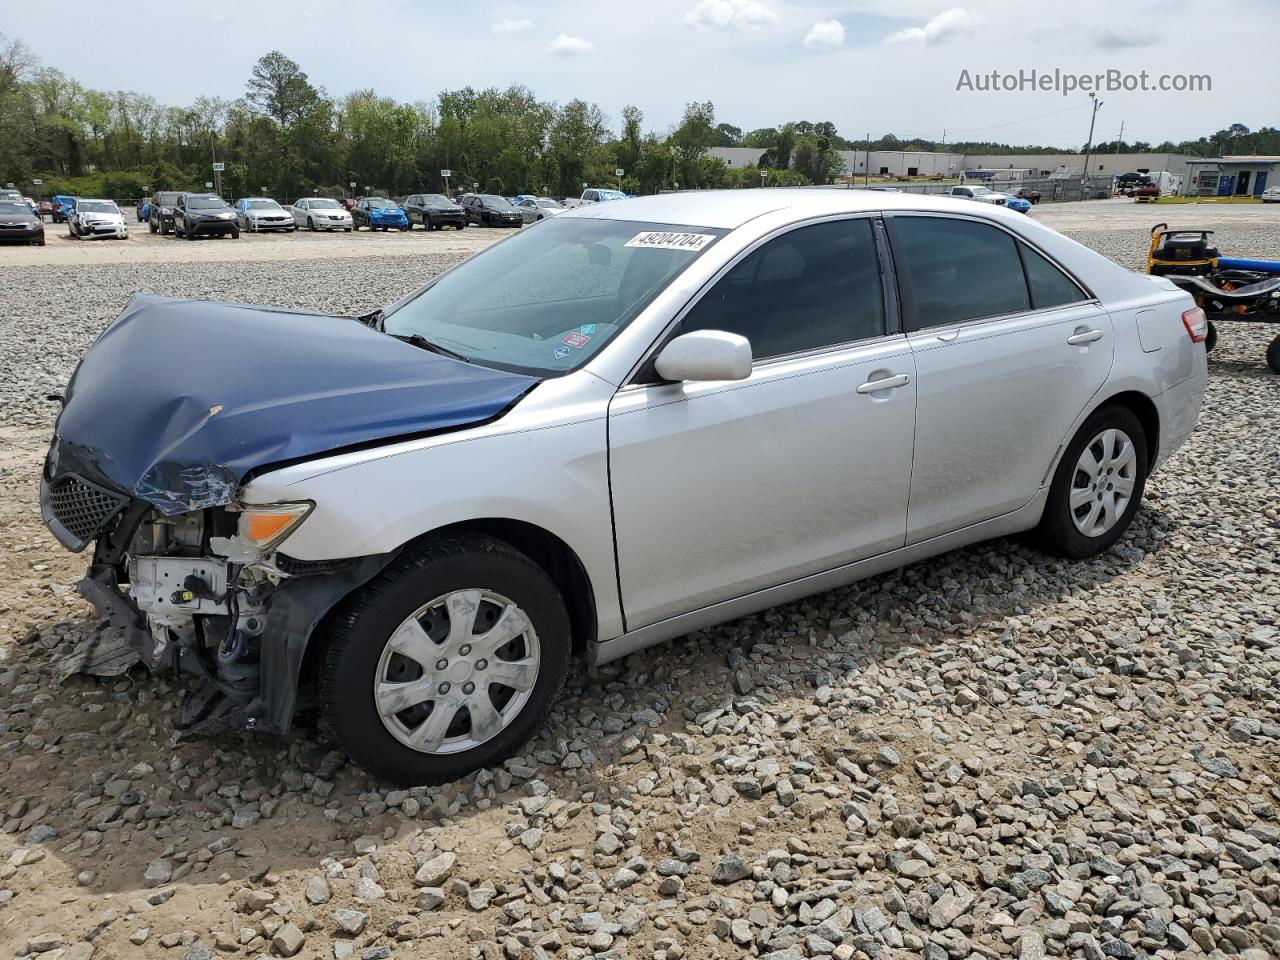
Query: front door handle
{"points": [[885, 383], [1083, 337]]}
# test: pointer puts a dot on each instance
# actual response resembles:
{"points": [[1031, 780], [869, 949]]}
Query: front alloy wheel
{"points": [[457, 671], [426, 692]]}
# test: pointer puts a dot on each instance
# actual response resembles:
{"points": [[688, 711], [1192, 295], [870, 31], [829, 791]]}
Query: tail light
{"points": [[1197, 324]]}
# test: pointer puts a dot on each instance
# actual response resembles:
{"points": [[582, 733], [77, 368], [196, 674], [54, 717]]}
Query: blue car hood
{"points": [[178, 400]]}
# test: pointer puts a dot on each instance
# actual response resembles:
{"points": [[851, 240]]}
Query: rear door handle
{"points": [[885, 383], [1085, 336]]}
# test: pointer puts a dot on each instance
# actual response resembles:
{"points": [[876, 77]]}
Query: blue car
{"points": [[1017, 203], [379, 213], [62, 205]]}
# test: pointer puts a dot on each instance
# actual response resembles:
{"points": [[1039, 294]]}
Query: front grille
{"points": [[81, 507]]}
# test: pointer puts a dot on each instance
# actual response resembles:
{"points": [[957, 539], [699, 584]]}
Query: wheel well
{"points": [[549, 552], [1144, 409]]}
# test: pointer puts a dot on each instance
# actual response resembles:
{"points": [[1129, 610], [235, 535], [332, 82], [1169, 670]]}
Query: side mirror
{"points": [[705, 355]]}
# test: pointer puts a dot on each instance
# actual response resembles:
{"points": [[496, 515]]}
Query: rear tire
{"points": [[1273, 355], [1084, 514], [1211, 338], [440, 600], [152, 227]]}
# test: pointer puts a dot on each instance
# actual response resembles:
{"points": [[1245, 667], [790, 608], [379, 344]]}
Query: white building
{"points": [[1233, 176]]}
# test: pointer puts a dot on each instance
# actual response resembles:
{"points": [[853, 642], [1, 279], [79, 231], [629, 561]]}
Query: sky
{"points": [[908, 67]]}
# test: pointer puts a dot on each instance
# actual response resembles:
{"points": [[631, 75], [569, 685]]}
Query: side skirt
{"points": [[1024, 518]]}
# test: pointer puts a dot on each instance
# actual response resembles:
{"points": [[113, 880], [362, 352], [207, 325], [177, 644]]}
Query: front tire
{"points": [[1097, 487], [1273, 355], [447, 662]]}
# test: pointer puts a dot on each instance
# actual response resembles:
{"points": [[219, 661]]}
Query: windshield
{"points": [[381, 203], [437, 201], [97, 206], [612, 195], [546, 300], [325, 205], [204, 203], [261, 205], [496, 203], [980, 189], [10, 194], [167, 199], [550, 204], [13, 206]]}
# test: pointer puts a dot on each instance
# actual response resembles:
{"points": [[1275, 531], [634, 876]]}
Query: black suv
{"points": [[433, 211], [491, 210], [204, 214], [160, 218]]}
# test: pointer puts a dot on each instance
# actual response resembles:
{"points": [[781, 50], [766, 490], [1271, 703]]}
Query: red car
{"points": [[46, 208], [1026, 193]]}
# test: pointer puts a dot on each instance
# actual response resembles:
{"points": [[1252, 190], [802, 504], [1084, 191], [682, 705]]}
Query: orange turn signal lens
{"points": [[271, 523]]}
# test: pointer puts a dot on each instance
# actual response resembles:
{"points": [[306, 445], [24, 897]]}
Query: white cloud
{"points": [[511, 26], [730, 15], [567, 46], [825, 35], [948, 25]]}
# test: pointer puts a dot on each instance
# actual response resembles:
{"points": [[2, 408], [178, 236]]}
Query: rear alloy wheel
{"points": [[426, 692], [1097, 487]]}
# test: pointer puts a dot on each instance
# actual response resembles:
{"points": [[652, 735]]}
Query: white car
{"points": [[321, 213], [636, 421], [258, 214], [1270, 195], [981, 194], [97, 218]]}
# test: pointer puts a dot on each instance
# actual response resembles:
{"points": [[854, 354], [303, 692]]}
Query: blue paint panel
{"points": [[178, 399]]}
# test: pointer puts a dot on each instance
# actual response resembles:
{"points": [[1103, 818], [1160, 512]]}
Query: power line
{"points": [[1010, 123]]}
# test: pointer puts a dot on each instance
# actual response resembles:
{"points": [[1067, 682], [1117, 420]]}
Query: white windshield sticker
{"points": [[660, 240]]}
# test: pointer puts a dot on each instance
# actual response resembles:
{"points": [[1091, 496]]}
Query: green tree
{"points": [[278, 87]]}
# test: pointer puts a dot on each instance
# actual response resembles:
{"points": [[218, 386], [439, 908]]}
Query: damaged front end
{"points": [[201, 594], [168, 416]]}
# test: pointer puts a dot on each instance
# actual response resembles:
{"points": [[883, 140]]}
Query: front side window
{"points": [[954, 270], [812, 287], [546, 300]]}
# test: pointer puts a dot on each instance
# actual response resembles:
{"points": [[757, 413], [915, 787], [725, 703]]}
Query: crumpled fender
{"points": [[178, 400]]}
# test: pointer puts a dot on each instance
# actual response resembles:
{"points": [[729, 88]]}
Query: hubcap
{"points": [[1103, 482], [456, 672]]}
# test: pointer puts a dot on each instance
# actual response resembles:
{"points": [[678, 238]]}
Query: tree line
{"points": [[287, 137]]}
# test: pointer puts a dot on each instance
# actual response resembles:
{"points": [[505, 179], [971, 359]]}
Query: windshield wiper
{"points": [[418, 340]]}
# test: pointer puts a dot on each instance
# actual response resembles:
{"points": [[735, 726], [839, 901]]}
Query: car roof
{"points": [[729, 209]]}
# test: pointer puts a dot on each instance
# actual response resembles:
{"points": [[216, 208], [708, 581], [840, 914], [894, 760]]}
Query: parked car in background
{"points": [[1270, 195], [601, 195], [321, 213], [160, 211], [35, 207], [490, 210], [981, 194], [19, 223], [348, 203], [45, 208], [90, 219], [526, 459], [62, 204], [10, 193], [1125, 182], [533, 209], [204, 215], [143, 210], [378, 213], [1028, 194], [1018, 204], [434, 211], [257, 214]]}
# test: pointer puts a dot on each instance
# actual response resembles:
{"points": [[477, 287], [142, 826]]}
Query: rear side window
{"points": [[812, 287], [956, 270], [1049, 286]]}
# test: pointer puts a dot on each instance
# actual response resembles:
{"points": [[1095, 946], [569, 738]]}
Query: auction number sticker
{"points": [[662, 240]]}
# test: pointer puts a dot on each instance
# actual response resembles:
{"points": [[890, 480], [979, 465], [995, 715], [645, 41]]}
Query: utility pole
{"points": [[866, 174], [1121, 139], [1088, 149]]}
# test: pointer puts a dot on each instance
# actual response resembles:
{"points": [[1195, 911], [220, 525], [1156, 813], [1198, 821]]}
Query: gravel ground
{"points": [[990, 754]]}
